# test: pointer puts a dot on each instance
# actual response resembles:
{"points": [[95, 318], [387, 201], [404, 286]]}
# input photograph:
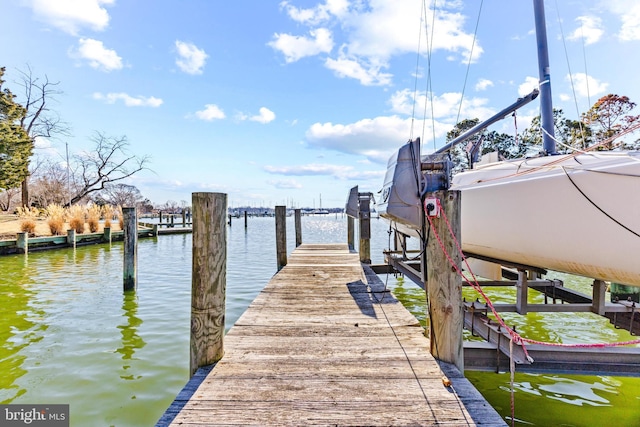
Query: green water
{"points": [[68, 334], [543, 399]]}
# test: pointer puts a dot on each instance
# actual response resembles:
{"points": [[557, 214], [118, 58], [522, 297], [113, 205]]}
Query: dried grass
{"points": [[93, 218], [28, 219], [107, 214], [56, 216], [76, 218]]}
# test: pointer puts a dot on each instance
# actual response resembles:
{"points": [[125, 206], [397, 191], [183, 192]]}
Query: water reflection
{"points": [[131, 341], [21, 325]]}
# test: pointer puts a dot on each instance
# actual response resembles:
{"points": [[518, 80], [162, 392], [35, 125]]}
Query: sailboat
{"points": [[576, 213]]}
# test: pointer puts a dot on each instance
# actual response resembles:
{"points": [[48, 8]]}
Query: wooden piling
{"points": [[351, 233], [130, 271], [184, 218], [160, 217], [71, 237], [298, 222], [22, 242], [209, 278], [444, 285], [281, 236], [106, 234], [365, 229], [245, 219]]}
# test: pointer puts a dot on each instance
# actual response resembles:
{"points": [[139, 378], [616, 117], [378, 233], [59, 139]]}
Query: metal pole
{"points": [[546, 106]]}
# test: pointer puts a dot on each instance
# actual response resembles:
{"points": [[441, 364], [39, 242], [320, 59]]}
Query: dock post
{"points": [[106, 234], [365, 228], [130, 270], [172, 219], [71, 237], [444, 285], [209, 279], [160, 217], [351, 232], [298, 222], [156, 227], [281, 236], [599, 294], [184, 218], [22, 242], [245, 219]]}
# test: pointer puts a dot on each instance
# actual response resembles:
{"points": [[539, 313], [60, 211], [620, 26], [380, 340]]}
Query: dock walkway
{"points": [[325, 344]]}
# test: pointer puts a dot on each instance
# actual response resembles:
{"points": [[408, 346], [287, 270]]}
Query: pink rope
{"points": [[516, 337]]}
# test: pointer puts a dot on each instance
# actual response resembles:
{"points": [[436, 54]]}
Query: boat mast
{"points": [[546, 106]]}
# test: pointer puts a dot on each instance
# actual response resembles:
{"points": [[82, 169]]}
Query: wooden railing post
{"points": [[209, 279], [444, 285], [281, 236], [298, 222], [130, 273]]}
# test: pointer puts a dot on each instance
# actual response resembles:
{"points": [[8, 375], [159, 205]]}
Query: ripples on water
{"points": [[68, 333]]}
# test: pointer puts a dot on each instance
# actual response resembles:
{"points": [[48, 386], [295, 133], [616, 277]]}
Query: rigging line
{"points": [[466, 76], [584, 57], [573, 87], [595, 205], [415, 86], [428, 96], [557, 141]]}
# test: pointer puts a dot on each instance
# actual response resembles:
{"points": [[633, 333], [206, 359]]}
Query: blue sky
{"points": [[279, 102]]}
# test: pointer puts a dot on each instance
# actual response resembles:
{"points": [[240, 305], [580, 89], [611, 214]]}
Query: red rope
{"points": [[516, 337]]}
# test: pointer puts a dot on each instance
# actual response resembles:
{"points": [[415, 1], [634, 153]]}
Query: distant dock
{"points": [[325, 343]]}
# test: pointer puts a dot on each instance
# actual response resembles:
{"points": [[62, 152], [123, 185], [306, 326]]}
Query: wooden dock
{"points": [[325, 344]]}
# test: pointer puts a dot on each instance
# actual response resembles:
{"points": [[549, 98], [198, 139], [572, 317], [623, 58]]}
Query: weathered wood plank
{"points": [[319, 346]]}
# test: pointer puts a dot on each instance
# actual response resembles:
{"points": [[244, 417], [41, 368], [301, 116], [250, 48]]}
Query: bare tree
{"points": [[120, 195], [48, 183], [109, 162], [7, 198], [39, 121]]}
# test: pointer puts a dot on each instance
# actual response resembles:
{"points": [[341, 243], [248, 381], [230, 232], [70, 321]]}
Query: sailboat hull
{"points": [[576, 214]]}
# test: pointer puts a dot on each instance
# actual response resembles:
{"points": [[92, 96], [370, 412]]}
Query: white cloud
{"points": [[322, 169], [375, 31], [98, 56], [298, 47], [629, 13], [72, 15], [318, 14], [444, 107], [586, 85], [265, 116], [375, 138], [483, 84], [129, 101], [382, 29], [530, 83], [590, 30], [367, 74], [211, 112], [285, 184], [190, 58]]}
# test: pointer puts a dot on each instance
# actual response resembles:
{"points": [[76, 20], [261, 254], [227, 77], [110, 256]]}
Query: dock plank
{"points": [[325, 344]]}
